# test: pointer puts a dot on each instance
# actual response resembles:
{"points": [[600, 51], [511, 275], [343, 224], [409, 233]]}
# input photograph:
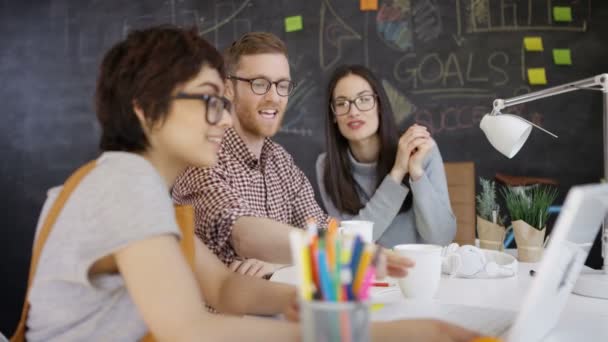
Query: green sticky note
{"points": [[562, 57], [562, 13], [293, 23], [533, 43], [537, 76]]}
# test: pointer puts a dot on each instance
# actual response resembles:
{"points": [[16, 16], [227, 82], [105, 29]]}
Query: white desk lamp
{"points": [[508, 133]]}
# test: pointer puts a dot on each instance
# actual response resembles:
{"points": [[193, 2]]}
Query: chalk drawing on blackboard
{"points": [[303, 132], [481, 11], [174, 13], [475, 69], [455, 93], [427, 20], [225, 27], [403, 72], [394, 24], [219, 23], [169, 12], [523, 63], [482, 16], [441, 119], [488, 96], [521, 90], [401, 105], [469, 74], [458, 38], [141, 21], [241, 26], [298, 101], [333, 32]]}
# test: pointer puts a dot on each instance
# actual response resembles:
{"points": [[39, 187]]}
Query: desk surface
{"points": [[583, 319]]}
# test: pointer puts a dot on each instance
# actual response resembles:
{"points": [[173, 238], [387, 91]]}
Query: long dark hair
{"points": [[337, 174]]}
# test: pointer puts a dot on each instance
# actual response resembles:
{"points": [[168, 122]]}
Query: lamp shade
{"points": [[507, 133]]}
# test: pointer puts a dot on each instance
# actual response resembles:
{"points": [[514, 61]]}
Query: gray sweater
{"points": [[430, 219]]}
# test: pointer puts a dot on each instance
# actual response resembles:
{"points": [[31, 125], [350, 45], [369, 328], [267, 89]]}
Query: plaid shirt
{"points": [[242, 185]]}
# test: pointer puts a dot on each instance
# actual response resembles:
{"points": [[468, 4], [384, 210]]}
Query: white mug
{"points": [[365, 229], [422, 280]]}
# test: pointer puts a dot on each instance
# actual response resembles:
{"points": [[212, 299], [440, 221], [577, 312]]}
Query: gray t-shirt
{"points": [[121, 201]]}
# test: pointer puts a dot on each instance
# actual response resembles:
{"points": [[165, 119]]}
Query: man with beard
{"points": [[247, 204]]}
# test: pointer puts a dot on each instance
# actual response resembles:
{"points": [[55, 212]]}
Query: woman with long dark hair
{"points": [[370, 173]]}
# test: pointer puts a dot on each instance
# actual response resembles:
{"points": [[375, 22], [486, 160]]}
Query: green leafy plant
{"points": [[486, 201], [531, 205]]}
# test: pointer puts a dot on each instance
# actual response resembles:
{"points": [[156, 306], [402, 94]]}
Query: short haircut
{"points": [[252, 43], [144, 69]]}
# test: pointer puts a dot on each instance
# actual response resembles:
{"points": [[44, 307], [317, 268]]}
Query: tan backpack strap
{"points": [[184, 215], [45, 230]]}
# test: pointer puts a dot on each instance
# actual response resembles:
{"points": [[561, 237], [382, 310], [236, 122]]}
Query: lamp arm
{"points": [[598, 82], [534, 125]]}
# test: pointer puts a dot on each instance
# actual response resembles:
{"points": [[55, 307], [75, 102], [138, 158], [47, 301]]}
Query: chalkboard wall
{"points": [[442, 63]]}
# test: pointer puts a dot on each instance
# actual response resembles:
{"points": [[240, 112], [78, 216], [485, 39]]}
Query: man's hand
{"points": [[253, 267]]}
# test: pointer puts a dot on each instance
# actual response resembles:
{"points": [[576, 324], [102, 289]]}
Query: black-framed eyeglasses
{"points": [[215, 105], [363, 103], [261, 85]]}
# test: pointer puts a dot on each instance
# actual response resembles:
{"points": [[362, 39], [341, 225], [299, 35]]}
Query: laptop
{"points": [[581, 216]]}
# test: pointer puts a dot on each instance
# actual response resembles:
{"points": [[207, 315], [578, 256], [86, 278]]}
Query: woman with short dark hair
{"points": [[112, 268]]}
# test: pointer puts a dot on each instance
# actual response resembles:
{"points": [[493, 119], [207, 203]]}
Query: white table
{"points": [[583, 319]]}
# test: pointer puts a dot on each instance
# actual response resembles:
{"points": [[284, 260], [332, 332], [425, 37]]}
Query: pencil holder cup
{"points": [[335, 321]]}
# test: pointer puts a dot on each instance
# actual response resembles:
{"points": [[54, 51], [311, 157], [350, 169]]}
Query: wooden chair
{"points": [[523, 181], [461, 187]]}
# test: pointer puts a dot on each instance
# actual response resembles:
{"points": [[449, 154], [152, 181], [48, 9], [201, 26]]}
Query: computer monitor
{"points": [[573, 233]]}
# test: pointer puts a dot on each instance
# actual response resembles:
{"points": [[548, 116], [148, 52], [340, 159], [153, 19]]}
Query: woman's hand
{"points": [[292, 310], [409, 141], [419, 154]]}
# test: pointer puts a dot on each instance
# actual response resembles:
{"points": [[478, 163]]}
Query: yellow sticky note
{"points": [[369, 5], [533, 43], [562, 13], [293, 23], [376, 306], [562, 57], [537, 76]]}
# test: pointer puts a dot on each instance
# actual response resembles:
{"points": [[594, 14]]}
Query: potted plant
{"points": [[490, 225], [529, 214]]}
